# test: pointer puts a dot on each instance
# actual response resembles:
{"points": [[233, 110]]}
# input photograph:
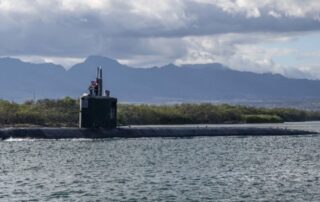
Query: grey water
{"points": [[283, 168]]}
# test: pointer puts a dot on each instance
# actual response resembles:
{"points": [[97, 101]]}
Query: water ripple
{"points": [[147, 169]]}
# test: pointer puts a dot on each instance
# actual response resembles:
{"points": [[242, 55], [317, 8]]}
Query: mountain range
{"points": [[20, 81]]}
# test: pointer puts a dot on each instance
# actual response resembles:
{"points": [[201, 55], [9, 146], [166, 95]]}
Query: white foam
{"points": [[19, 139]]}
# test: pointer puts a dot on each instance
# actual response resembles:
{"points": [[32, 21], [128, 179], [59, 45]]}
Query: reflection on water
{"points": [[167, 169]]}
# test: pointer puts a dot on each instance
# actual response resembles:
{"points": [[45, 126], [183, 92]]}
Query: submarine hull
{"points": [[68, 133]]}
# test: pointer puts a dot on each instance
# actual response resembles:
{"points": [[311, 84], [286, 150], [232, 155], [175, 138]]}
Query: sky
{"points": [[248, 35]]}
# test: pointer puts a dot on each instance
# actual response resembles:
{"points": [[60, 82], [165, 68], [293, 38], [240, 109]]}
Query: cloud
{"points": [[252, 8], [237, 51], [147, 33]]}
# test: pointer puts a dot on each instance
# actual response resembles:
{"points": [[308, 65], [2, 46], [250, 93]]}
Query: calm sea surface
{"points": [[162, 169]]}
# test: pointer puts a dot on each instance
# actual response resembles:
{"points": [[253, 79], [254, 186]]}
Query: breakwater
{"points": [[127, 132]]}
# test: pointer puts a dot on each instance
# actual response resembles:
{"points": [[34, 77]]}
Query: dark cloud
{"points": [[146, 32]]}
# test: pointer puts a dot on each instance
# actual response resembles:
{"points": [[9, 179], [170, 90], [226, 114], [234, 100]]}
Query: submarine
{"points": [[98, 120]]}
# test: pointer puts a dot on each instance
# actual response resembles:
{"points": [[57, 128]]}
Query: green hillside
{"points": [[64, 113]]}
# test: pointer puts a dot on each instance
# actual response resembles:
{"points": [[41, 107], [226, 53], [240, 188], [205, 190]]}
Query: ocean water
{"points": [[162, 169]]}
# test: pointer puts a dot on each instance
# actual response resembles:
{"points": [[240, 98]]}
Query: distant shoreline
{"points": [[65, 113]]}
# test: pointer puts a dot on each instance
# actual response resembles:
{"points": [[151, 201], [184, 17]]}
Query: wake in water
{"points": [[19, 140], [34, 139]]}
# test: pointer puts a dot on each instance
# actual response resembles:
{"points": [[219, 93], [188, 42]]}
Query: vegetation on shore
{"points": [[65, 113]]}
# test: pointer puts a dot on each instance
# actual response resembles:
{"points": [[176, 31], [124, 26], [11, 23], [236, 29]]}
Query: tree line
{"points": [[65, 113]]}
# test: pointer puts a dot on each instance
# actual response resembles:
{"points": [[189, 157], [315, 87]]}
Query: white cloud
{"points": [[76, 5], [252, 8], [246, 52], [64, 61], [147, 33], [311, 54], [238, 51], [275, 14]]}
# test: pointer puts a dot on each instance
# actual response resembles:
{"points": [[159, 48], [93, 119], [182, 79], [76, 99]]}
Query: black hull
{"points": [[149, 132]]}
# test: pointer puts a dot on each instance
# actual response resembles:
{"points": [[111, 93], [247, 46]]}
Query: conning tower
{"points": [[98, 110]]}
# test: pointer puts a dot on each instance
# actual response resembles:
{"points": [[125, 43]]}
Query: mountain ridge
{"points": [[20, 81]]}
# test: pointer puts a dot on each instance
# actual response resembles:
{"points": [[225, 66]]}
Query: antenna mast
{"points": [[99, 81]]}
